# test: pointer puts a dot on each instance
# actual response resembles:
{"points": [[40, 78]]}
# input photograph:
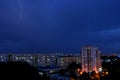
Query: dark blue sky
{"points": [[59, 25]]}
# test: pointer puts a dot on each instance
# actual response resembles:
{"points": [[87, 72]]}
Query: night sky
{"points": [[59, 25]]}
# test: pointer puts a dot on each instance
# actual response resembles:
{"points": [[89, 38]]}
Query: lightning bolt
{"points": [[21, 10]]}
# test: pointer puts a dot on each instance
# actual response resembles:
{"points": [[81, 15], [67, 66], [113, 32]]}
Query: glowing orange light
{"points": [[106, 73], [71, 79], [96, 71], [80, 72]]}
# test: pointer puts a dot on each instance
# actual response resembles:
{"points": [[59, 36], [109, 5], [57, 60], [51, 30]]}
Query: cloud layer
{"points": [[59, 25]]}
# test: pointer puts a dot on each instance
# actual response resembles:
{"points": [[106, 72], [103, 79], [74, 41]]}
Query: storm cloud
{"points": [[59, 25]]}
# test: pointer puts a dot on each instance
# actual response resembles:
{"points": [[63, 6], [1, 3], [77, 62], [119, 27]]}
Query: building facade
{"points": [[91, 59], [64, 61]]}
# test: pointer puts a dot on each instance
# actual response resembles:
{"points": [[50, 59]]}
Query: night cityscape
{"points": [[89, 64], [59, 40]]}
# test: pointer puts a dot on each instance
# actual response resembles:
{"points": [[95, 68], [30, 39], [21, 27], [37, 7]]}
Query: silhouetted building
{"points": [[9, 58]]}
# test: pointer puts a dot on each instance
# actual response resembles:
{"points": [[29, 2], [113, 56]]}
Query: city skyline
{"points": [[46, 26]]}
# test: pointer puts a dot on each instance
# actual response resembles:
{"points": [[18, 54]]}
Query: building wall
{"points": [[91, 60], [41, 59], [64, 61]]}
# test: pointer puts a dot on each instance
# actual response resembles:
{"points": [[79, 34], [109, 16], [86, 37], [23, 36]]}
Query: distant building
{"points": [[3, 57], [42, 59], [64, 61], [9, 57], [46, 60], [91, 59], [109, 58]]}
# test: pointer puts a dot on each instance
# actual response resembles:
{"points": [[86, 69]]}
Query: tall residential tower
{"points": [[91, 59]]}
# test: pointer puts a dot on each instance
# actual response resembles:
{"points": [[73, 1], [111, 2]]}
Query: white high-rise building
{"points": [[91, 59]]}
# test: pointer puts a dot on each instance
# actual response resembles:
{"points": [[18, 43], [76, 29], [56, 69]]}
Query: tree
{"points": [[73, 66], [62, 72], [18, 71]]}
